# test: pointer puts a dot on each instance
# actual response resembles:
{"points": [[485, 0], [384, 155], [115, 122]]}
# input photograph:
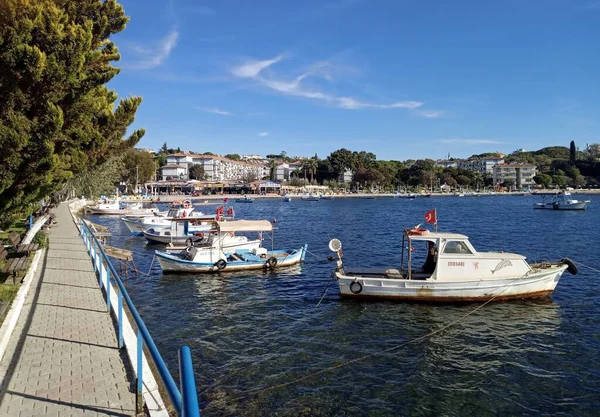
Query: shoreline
{"points": [[233, 197]]}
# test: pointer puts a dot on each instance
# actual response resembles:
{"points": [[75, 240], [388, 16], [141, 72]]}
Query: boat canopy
{"points": [[245, 226]]}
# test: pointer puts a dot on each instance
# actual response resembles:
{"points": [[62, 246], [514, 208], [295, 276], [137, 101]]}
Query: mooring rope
{"points": [[588, 267], [146, 277], [371, 355]]}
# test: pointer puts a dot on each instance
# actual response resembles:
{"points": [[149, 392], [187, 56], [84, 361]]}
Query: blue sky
{"points": [[404, 79]]}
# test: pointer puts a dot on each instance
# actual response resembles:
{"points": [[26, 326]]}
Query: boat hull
{"points": [[173, 263], [538, 284]]}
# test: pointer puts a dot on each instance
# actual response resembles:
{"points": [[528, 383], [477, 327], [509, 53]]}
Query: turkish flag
{"points": [[431, 217]]}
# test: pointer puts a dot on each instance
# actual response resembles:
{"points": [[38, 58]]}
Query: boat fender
{"points": [[271, 262], [189, 242], [221, 264], [356, 287], [570, 266]]}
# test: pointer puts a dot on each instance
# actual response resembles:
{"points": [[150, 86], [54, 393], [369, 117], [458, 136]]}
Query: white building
{"points": [[285, 171], [482, 165], [346, 177], [446, 163], [521, 175], [216, 168]]}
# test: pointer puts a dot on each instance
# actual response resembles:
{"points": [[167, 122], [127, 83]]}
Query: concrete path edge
{"points": [[17, 305]]}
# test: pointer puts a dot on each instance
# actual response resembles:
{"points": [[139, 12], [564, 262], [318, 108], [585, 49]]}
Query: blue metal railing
{"points": [[185, 398]]}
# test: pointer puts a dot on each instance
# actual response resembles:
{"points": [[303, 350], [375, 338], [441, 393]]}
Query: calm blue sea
{"points": [[263, 346]]}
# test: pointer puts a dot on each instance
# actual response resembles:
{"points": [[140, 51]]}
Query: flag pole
{"points": [[436, 221]]}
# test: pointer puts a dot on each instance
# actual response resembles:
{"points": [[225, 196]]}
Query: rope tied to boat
{"points": [[586, 266]]}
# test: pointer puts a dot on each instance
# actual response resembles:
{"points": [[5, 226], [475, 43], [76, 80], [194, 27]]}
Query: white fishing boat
{"points": [[311, 197], [114, 207], [456, 273], [562, 201], [217, 258], [179, 230], [157, 221]]}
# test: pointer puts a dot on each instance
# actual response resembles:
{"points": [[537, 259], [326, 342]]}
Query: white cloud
{"points": [[472, 141], [263, 134], [252, 68], [214, 110], [155, 55], [351, 103], [323, 70], [430, 114]]}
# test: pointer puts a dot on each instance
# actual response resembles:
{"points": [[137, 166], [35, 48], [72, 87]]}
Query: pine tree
{"points": [[572, 152], [57, 117]]}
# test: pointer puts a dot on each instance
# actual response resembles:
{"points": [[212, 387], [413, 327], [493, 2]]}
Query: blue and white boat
{"points": [[287, 199], [246, 199], [217, 258]]}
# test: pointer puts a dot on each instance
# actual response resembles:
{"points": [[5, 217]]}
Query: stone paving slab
{"points": [[62, 359]]}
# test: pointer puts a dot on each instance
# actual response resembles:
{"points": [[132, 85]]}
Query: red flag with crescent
{"points": [[431, 217]]}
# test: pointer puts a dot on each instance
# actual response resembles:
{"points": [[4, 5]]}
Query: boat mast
{"points": [[402, 253]]}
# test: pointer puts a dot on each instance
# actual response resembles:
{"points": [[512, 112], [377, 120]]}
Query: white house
{"points": [[346, 177], [285, 171]]}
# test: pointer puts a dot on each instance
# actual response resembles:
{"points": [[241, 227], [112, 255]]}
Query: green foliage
{"points": [[543, 179], [196, 172], [57, 118], [233, 156], [572, 152], [41, 238], [139, 168], [102, 179]]}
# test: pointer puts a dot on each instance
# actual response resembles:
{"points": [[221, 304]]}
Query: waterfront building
{"points": [[521, 175], [285, 170], [484, 165], [216, 168], [346, 177]]}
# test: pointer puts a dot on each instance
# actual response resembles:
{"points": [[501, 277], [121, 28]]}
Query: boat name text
{"points": [[456, 264]]}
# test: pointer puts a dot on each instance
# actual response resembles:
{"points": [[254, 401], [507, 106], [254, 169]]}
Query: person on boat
{"points": [[430, 261]]}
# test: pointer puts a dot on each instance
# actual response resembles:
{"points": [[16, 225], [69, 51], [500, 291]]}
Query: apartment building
{"points": [[521, 175], [216, 168], [482, 165]]}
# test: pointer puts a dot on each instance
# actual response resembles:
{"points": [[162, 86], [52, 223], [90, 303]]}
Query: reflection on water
{"points": [[249, 332]]}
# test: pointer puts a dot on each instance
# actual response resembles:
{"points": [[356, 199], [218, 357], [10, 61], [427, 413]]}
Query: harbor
{"points": [[270, 340]]}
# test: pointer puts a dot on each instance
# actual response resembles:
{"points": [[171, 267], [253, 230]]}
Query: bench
{"points": [[12, 265], [15, 241]]}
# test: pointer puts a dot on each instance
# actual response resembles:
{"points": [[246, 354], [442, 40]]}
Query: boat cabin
{"points": [[453, 257]]}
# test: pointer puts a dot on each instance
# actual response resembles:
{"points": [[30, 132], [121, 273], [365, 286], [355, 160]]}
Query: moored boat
{"points": [[455, 273], [246, 199], [217, 258], [139, 224], [562, 201]]}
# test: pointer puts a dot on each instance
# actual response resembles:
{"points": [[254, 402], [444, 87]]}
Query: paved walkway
{"points": [[62, 358]]}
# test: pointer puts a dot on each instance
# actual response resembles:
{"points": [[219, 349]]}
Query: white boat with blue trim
{"points": [[218, 258], [457, 273]]}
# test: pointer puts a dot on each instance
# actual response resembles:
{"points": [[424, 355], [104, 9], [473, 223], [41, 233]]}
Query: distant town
{"points": [[345, 170]]}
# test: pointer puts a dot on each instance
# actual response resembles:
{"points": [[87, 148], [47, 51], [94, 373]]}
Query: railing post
{"points": [[140, 380], [187, 383], [120, 319], [107, 288]]}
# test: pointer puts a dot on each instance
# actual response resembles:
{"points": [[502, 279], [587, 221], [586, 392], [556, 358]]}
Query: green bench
{"points": [[12, 265], [15, 241]]}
